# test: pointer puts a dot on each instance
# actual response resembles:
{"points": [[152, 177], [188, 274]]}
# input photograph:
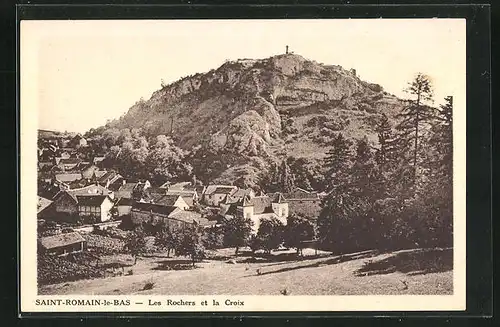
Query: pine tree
{"points": [[338, 207], [365, 177], [438, 192], [337, 162], [414, 115], [286, 180], [442, 137], [386, 153]]}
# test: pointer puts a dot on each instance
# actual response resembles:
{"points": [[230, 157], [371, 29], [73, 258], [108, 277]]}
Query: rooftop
{"points": [[55, 241], [91, 200], [43, 203], [213, 188], [167, 200], [224, 190], [156, 208], [68, 177]]}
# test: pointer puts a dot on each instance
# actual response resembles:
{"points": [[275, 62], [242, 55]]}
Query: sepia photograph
{"points": [[288, 159]]}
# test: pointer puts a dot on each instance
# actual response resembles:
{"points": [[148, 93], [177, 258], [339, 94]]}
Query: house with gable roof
{"points": [[173, 217], [62, 244], [189, 192], [214, 194], [304, 203], [256, 208], [94, 208], [66, 205], [171, 200]]}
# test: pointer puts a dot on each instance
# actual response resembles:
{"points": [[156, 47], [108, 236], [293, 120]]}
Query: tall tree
{"points": [[442, 137], [338, 161], [414, 115], [386, 153], [365, 176], [285, 180]]}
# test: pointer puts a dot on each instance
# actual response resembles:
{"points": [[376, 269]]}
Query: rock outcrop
{"points": [[263, 107]]}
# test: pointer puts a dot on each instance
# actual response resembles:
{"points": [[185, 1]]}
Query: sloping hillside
{"points": [[281, 106], [242, 104], [366, 273]]}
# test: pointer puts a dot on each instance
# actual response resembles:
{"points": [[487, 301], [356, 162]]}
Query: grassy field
{"points": [[404, 272]]}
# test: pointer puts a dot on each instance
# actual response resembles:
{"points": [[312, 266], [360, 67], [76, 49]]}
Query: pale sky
{"points": [[78, 74]]}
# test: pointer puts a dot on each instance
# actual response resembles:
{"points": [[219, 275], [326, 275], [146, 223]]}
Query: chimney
{"points": [[286, 49]]}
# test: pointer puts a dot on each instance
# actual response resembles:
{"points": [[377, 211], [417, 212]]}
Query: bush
{"points": [[104, 244], [148, 286], [375, 87], [53, 269], [213, 238]]}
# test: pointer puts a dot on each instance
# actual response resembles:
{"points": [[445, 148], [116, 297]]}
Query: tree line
{"points": [[399, 194], [193, 241]]}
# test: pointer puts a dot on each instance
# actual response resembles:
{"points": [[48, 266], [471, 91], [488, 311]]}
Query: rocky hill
{"points": [[284, 105]]}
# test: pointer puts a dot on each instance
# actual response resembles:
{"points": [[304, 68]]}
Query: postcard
{"points": [[242, 165]]}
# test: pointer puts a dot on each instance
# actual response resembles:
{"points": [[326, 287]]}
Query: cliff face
{"points": [[283, 104]]}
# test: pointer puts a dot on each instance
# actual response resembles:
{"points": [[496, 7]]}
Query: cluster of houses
{"points": [[83, 194]]}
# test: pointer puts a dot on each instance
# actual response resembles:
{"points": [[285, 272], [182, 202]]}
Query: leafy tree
{"points": [[297, 230], [237, 232], [207, 163], [437, 191], [166, 161], [125, 136], [190, 244], [269, 178], [339, 220], [254, 243], [135, 243], [270, 234], [111, 136], [302, 172], [167, 238], [213, 238]]}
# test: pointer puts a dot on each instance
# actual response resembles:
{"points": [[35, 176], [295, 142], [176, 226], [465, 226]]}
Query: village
{"points": [[83, 206], [94, 223]]}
